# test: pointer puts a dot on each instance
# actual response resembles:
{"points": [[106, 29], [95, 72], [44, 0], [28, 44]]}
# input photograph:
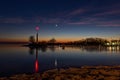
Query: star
{"points": [[56, 25]]}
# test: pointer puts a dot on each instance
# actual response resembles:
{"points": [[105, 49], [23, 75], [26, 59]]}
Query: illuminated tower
{"points": [[37, 29]]}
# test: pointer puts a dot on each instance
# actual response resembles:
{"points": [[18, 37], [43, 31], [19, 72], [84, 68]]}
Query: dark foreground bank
{"points": [[82, 73]]}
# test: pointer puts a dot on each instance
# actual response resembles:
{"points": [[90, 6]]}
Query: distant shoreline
{"points": [[13, 42]]}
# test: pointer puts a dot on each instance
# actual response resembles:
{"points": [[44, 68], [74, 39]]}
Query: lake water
{"points": [[15, 59]]}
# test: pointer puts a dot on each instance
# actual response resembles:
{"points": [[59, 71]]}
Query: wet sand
{"points": [[82, 73]]}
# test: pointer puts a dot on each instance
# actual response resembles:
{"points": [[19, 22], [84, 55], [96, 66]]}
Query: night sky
{"points": [[63, 20]]}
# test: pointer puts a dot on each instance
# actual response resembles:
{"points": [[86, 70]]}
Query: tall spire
{"points": [[37, 29]]}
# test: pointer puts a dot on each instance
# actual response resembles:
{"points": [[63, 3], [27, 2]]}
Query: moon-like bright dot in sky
{"points": [[57, 26]]}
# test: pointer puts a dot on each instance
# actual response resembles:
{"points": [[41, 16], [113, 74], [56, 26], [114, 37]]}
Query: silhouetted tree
{"points": [[52, 40], [43, 42], [95, 41], [31, 39]]}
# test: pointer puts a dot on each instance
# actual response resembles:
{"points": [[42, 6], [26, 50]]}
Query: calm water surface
{"points": [[15, 59]]}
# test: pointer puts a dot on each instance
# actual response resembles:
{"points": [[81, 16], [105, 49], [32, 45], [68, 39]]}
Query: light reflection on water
{"points": [[18, 59]]}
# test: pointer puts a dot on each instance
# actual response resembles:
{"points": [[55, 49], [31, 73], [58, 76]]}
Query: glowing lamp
{"points": [[37, 28], [108, 43], [113, 43]]}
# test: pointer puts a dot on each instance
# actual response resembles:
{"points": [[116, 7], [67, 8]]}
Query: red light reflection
{"points": [[36, 65]]}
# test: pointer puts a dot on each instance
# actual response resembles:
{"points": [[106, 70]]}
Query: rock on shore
{"points": [[82, 73]]}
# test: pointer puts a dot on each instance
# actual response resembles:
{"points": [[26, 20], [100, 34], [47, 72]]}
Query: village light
{"points": [[108, 43], [113, 43]]}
